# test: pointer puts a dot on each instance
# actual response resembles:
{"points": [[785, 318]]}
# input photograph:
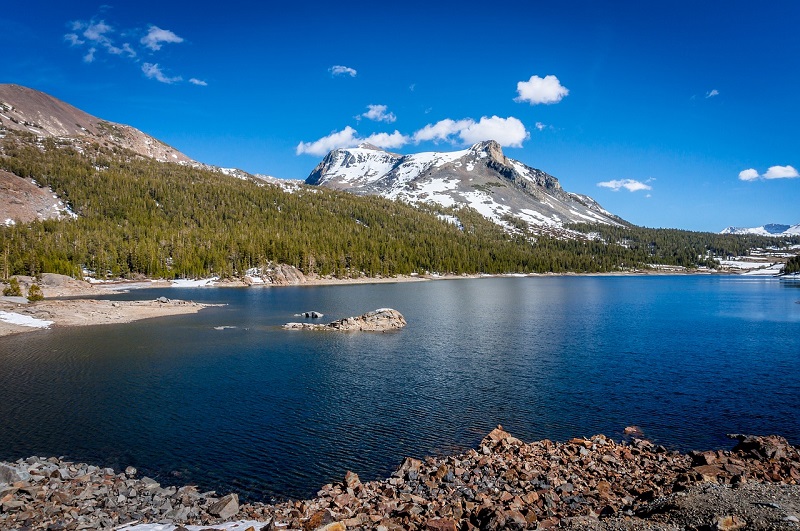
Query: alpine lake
{"points": [[228, 400]]}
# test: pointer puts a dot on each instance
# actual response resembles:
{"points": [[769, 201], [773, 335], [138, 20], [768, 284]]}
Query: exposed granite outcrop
{"points": [[380, 320]]}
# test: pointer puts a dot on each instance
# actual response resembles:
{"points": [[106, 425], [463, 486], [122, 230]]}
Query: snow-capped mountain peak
{"points": [[770, 229], [481, 177]]}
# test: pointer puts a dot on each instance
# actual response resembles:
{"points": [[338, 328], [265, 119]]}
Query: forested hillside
{"points": [[681, 247], [139, 216]]}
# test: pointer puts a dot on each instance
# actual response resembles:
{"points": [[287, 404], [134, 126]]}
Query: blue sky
{"points": [[670, 114]]}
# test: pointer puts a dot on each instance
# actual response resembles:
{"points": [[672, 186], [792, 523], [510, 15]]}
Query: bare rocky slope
{"points": [[482, 177], [32, 111]]}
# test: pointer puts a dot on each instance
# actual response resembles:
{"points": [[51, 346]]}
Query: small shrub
{"points": [[13, 289], [35, 293]]}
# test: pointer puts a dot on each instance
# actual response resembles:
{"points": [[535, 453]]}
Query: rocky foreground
{"points": [[591, 483]]}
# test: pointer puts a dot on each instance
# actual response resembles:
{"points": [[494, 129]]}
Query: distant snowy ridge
{"points": [[772, 229], [480, 177]]}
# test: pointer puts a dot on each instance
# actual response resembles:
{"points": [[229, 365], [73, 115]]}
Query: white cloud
{"points": [[631, 185], [347, 138], [774, 172], [339, 70], [378, 113], [540, 126], [541, 90], [748, 175], [126, 49], [198, 82], [96, 32], [386, 140], [442, 130], [153, 71], [93, 37], [89, 57], [781, 172], [506, 131], [712, 93], [73, 39], [156, 37]]}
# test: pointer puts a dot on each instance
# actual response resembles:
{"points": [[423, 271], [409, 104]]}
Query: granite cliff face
{"points": [[482, 177]]}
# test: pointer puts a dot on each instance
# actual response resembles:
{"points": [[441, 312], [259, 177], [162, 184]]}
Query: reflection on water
{"points": [[228, 400]]}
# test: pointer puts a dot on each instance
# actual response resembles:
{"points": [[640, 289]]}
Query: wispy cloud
{"points": [[377, 113], [711, 93], [198, 82], [774, 172], [97, 31], [348, 138], [153, 71], [156, 37], [631, 185], [540, 126], [339, 70], [89, 57], [508, 132], [95, 36], [539, 90]]}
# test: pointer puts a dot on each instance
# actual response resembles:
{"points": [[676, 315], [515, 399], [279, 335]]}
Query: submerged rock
{"points": [[379, 320]]}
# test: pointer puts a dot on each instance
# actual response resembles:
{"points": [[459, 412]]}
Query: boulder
{"points": [[380, 320], [226, 507], [11, 474]]}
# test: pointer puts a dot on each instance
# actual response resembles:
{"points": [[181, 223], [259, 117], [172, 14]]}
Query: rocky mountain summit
{"points": [[503, 190], [505, 483]]}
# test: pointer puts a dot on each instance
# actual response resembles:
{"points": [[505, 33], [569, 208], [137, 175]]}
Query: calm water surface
{"points": [[268, 412]]}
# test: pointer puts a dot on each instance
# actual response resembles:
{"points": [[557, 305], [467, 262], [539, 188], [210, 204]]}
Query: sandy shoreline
{"points": [[84, 312]]}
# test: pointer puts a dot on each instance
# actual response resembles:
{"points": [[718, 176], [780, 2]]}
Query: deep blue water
{"points": [[268, 412]]}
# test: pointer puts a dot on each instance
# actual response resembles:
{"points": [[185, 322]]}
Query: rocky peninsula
{"points": [[593, 483]]}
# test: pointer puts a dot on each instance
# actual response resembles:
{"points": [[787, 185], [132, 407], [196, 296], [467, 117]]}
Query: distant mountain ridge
{"points": [[482, 177], [770, 229]]}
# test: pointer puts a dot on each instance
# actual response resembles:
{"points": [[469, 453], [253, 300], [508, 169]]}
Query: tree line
{"points": [[137, 216]]}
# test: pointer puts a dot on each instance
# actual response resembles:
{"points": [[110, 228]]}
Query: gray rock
{"points": [[225, 507], [11, 474], [380, 320]]}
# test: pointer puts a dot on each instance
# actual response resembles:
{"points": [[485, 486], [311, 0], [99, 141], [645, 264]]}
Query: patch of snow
{"points": [[772, 270], [194, 283], [9, 222], [451, 219], [24, 320], [746, 264]]}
